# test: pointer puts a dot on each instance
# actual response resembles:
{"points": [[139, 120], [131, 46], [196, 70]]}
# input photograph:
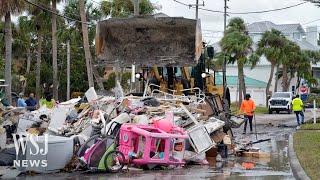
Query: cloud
{"points": [[214, 21]]}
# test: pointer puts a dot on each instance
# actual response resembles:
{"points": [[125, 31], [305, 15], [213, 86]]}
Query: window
{"points": [[296, 36]]}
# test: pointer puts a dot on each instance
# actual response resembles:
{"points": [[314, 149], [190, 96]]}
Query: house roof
{"points": [[233, 81], [260, 27], [305, 45]]}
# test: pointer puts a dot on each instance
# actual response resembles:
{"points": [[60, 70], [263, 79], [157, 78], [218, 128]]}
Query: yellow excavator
{"points": [[170, 48]]}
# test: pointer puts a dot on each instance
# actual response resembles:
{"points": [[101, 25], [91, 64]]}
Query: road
{"points": [[275, 167]]}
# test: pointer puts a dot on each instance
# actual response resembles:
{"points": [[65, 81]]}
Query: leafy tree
{"points": [[236, 45], [125, 8], [7, 8], [270, 46]]}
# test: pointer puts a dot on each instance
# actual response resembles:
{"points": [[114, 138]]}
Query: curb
{"points": [[297, 170]]}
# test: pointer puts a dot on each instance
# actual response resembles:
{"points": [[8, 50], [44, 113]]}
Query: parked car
{"points": [[280, 101]]}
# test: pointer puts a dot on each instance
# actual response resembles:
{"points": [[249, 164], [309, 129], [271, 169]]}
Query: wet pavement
{"points": [[275, 167]]}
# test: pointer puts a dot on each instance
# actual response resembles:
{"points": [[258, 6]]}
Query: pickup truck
{"points": [[280, 101]]}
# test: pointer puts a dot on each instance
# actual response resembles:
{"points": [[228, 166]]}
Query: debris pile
{"points": [[109, 133]]}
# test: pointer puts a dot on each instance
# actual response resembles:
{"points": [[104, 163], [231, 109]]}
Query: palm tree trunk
{"points": [[8, 55], [277, 80], [269, 82], [284, 78], [38, 68], [54, 51], [27, 69], [28, 60], [86, 43], [241, 81], [290, 79]]}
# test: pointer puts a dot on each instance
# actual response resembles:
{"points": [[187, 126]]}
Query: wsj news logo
{"points": [[29, 147]]}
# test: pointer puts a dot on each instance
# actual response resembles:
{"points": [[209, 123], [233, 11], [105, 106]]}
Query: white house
{"points": [[307, 40]]}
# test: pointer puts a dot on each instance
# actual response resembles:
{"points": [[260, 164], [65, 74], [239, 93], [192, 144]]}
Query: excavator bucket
{"points": [[149, 41]]}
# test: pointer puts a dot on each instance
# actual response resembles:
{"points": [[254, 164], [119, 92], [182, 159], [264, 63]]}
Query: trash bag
{"points": [[151, 102], [7, 156]]}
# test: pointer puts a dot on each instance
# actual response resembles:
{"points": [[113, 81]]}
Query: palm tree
{"points": [[7, 8], [125, 8], [23, 39], [270, 46], [25, 32], [86, 43], [237, 45], [291, 54], [40, 19]]}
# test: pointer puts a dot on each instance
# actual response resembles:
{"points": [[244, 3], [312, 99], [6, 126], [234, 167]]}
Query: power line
{"points": [[52, 12], [243, 13]]}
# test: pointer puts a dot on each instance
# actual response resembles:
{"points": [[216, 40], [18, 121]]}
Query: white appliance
{"points": [[60, 152]]}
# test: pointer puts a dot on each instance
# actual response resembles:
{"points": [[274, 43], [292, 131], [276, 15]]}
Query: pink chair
{"points": [[151, 145]]}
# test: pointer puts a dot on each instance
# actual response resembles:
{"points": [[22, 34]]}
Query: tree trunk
{"points": [[38, 68], [269, 82], [284, 78], [277, 80], [241, 81], [68, 70], [8, 56], [86, 43], [54, 51], [28, 60], [27, 69], [289, 82]]}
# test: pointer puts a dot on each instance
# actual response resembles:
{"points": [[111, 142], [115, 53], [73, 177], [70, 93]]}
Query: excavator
{"points": [[170, 50]]}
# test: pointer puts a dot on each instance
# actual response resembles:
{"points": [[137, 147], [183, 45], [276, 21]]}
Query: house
{"points": [[307, 40], [256, 88]]}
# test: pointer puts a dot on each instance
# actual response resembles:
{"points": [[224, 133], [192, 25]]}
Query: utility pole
{"points": [[135, 67], [197, 9], [224, 68], [68, 70]]}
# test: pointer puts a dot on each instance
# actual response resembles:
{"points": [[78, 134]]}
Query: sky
{"points": [[211, 22]]}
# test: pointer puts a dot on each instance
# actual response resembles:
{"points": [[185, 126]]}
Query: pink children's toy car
{"points": [[145, 145]]}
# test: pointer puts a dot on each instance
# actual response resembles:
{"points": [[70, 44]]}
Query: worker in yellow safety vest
{"points": [[297, 107]]}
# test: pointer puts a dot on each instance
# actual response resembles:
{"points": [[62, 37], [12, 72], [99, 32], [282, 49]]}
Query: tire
{"points": [[277, 112], [117, 159], [289, 111], [270, 111]]}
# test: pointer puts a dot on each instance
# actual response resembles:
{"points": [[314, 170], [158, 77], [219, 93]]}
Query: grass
{"points": [[307, 148], [259, 109], [311, 126]]}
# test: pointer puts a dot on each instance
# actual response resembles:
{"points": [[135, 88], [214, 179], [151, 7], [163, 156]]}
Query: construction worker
{"points": [[297, 107], [247, 108]]}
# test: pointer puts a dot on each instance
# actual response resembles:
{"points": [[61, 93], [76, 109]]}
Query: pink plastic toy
{"points": [[150, 145], [166, 123]]}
